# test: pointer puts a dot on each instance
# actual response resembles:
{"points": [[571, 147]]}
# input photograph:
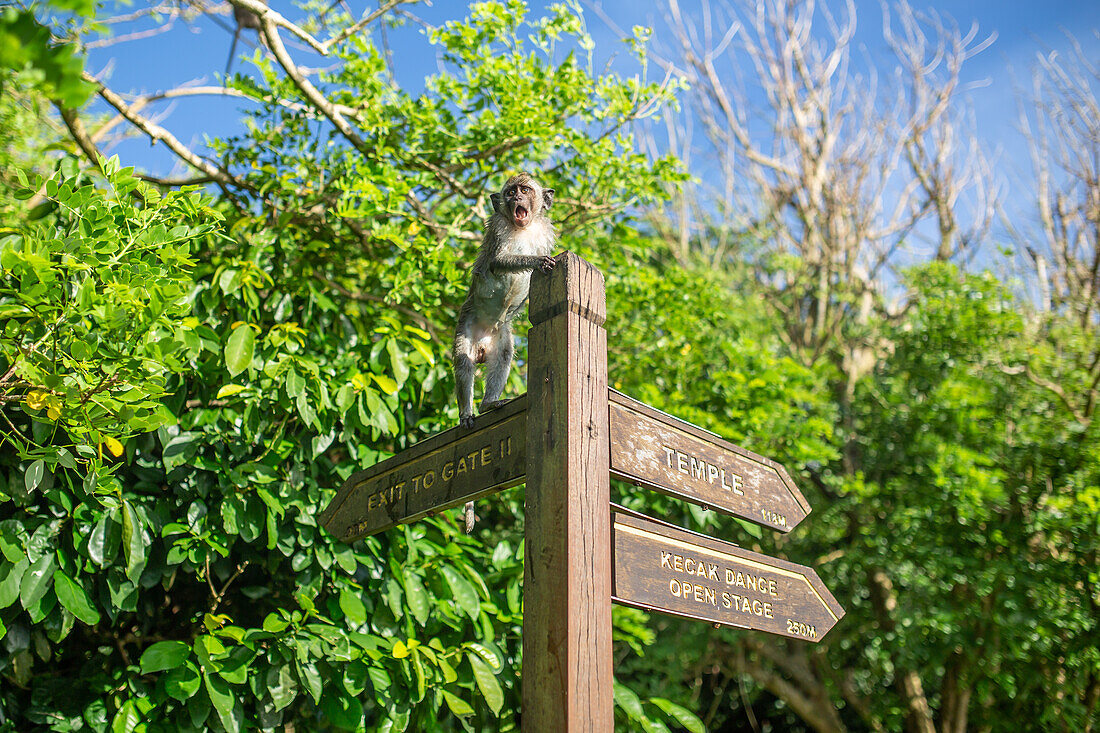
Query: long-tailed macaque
{"points": [[518, 238]]}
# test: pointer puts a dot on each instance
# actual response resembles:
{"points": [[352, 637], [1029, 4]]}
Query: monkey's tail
{"points": [[470, 517]]}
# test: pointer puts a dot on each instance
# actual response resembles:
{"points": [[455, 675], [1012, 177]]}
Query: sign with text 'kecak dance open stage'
{"points": [[660, 567], [445, 470], [652, 448]]}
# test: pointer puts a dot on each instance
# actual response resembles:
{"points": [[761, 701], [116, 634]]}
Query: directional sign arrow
{"points": [[660, 567], [440, 472], [652, 448]]}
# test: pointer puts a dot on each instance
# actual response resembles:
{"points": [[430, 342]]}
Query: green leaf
{"points": [[449, 673], [11, 576], [386, 383], [488, 655], [487, 682], [457, 705], [229, 390], [295, 383], [235, 669], [36, 580], [753, 529], [653, 726], [182, 682], [397, 361], [11, 549], [274, 623], [683, 717], [74, 598], [342, 710], [626, 699], [353, 607], [33, 477], [133, 541], [462, 591], [282, 686], [308, 674], [164, 655], [379, 679], [239, 349], [209, 650], [223, 699], [97, 541], [126, 719], [416, 597]]}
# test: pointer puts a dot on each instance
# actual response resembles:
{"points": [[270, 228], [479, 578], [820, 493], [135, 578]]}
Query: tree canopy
{"points": [[190, 367]]}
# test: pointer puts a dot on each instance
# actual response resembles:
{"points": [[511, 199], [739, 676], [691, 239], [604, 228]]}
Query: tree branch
{"points": [[366, 20], [271, 18], [155, 132], [275, 43], [372, 298], [884, 601]]}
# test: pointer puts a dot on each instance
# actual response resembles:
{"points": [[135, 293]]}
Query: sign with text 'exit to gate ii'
{"points": [[660, 567], [445, 470]]}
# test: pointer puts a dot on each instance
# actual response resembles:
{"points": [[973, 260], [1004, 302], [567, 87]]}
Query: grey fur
{"points": [[512, 247]]}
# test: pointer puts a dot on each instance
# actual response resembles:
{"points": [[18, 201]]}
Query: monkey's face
{"points": [[522, 200]]}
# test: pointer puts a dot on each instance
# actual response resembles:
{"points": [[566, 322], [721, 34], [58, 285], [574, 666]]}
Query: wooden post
{"points": [[567, 678]]}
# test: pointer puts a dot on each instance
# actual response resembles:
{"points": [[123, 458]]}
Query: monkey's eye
{"points": [[525, 189]]}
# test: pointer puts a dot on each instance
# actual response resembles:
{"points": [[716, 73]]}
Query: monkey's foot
{"points": [[469, 512], [466, 421], [488, 406]]}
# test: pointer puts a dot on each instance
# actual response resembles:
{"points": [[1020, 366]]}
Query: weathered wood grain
{"points": [[440, 472], [660, 567], [567, 676], [655, 449]]}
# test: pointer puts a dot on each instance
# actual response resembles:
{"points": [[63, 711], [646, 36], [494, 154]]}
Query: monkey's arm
{"points": [[519, 263]]}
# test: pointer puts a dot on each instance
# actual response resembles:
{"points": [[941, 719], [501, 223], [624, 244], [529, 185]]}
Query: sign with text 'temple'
{"points": [[654, 449]]}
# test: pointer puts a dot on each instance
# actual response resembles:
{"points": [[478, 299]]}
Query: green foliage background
{"points": [[187, 378]]}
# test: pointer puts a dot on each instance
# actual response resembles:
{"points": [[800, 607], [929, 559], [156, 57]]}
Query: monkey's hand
{"points": [[466, 421], [518, 263], [546, 264]]}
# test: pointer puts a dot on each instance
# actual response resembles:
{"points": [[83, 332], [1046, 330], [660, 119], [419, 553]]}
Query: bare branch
{"points": [[363, 22], [269, 17], [155, 132], [275, 43]]}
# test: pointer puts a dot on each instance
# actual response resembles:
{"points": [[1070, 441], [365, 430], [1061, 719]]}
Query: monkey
{"points": [[518, 239], [244, 18]]}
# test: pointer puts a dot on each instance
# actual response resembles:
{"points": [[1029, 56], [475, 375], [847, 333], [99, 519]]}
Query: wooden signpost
{"points": [[566, 437]]}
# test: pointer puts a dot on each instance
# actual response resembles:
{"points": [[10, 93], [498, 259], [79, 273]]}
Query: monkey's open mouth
{"points": [[521, 215]]}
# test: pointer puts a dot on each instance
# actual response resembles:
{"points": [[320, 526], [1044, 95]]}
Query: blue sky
{"points": [[196, 53]]}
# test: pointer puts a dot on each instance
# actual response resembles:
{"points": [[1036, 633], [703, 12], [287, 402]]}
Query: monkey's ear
{"points": [[547, 197], [497, 201]]}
